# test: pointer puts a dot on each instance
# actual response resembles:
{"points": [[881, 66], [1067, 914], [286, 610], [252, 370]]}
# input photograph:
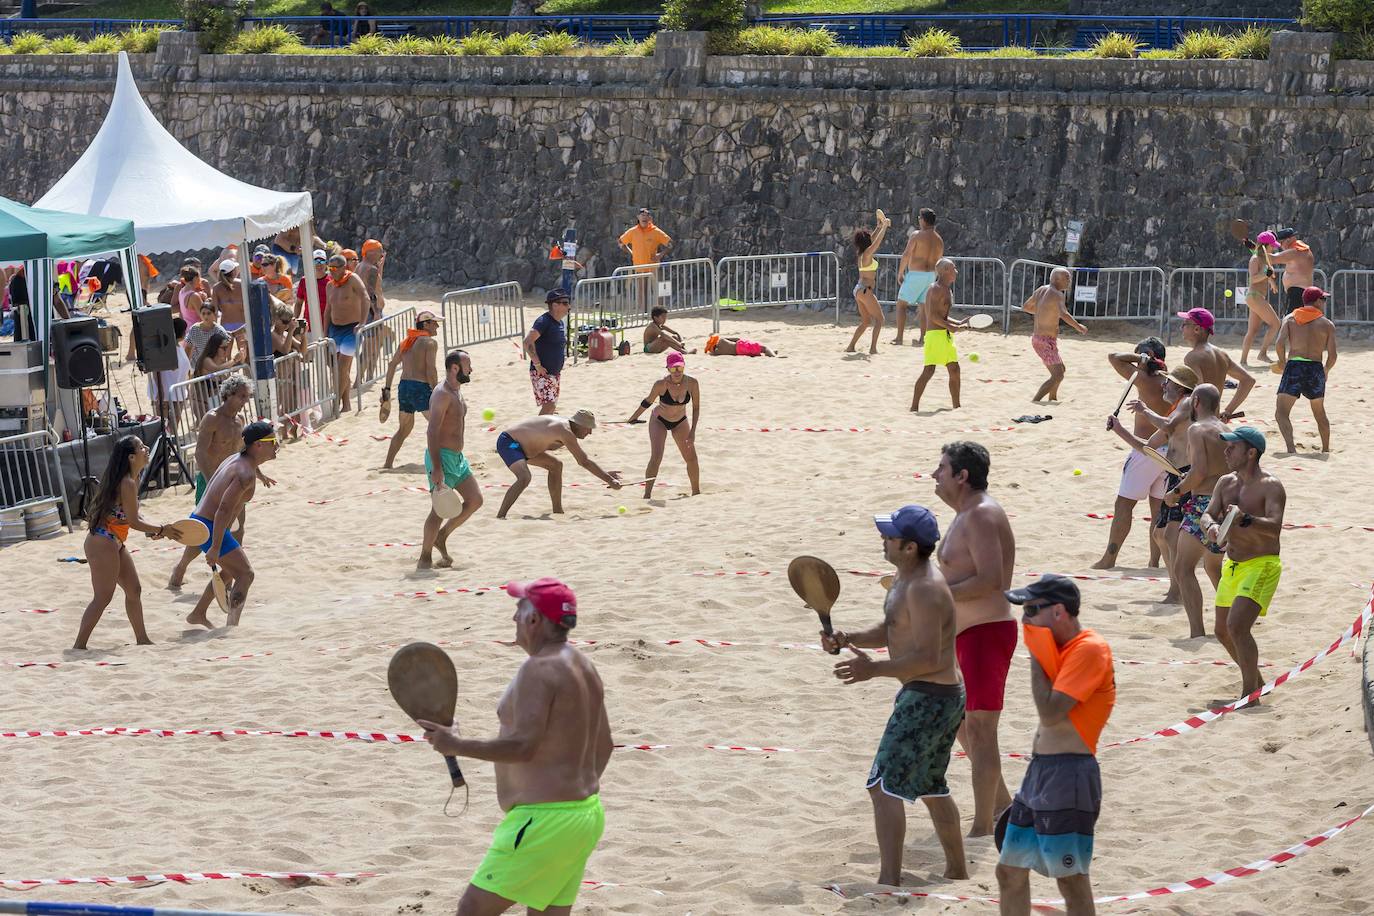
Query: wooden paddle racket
{"points": [[1127, 393], [218, 587], [446, 503], [1277, 368], [188, 532], [1154, 455], [817, 584], [384, 409], [980, 322], [1240, 231], [1224, 529], [424, 683]]}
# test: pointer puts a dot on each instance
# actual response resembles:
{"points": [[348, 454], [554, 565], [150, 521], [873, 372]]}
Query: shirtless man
{"points": [[219, 436], [529, 442], [1306, 339], [976, 559], [917, 630], [1049, 306], [552, 747], [1141, 478], [1299, 266], [228, 298], [229, 491], [916, 270], [444, 460], [1171, 438], [418, 357], [1212, 364], [1250, 575], [1207, 462], [347, 300], [939, 327]]}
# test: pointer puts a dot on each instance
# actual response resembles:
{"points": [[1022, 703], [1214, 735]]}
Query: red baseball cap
{"points": [[550, 597], [1314, 294]]}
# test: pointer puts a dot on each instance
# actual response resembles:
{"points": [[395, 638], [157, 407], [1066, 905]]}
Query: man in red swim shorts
{"points": [[976, 559]]}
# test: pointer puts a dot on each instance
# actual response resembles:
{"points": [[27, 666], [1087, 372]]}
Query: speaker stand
{"points": [[165, 451]]}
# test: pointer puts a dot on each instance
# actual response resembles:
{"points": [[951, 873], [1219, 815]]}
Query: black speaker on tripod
{"points": [[155, 341], [77, 356]]}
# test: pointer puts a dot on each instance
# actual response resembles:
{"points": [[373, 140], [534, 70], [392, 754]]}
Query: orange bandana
{"points": [[342, 280], [413, 335], [1306, 313], [1040, 643], [1300, 245]]}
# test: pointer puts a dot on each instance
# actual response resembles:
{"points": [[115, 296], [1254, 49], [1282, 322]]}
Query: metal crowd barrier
{"points": [[1206, 287], [377, 344], [1023, 278], [809, 280], [30, 474], [980, 287], [678, 286], [483, 314], [1095, 293], [1352, 297], [191, 400], [306, 385], [616, 302]]}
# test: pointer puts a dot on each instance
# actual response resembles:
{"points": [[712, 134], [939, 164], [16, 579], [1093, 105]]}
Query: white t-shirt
{"points": [[171, 377]]}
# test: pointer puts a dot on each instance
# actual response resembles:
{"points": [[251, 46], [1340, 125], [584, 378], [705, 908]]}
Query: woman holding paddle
{"points": [[866, 246], [112, 515], [674, 392]]}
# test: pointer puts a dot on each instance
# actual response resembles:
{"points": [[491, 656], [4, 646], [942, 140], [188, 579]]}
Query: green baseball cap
{"points": [[1247, 434]]}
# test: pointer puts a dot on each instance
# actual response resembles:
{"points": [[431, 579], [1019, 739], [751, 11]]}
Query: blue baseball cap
{"points": [[910, 523], [1247, 434]]}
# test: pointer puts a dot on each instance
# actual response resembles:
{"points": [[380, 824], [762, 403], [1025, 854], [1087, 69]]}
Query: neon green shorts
{"points": [[456, 468], [939, 348], [1256, 578], [539, 853]]}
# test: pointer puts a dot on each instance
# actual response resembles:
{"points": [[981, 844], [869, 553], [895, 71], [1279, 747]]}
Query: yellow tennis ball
{"points": [[621, 509], [973, 357], [1229, 294], [488, 414], [1078, 472]]}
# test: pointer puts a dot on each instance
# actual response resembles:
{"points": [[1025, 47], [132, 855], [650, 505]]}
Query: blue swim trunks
{"points": [[1049, 826], [1303, 378], [509, 450], [914, 286], [345, 337], [413, 395], [226, 546]]}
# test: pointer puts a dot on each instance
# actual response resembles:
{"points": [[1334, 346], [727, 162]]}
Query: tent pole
{"points": [[265, 389], [314, 307]]}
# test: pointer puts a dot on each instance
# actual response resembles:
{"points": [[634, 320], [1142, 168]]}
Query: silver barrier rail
{"points": [[30, 474], [483, 314], [1352, 297], [981, 285], [613, 302], [191, 400], [377, 344], [679, 286], [307, 385], [808, 280], [1023, 278], [1095, 293], [1220, 290]]}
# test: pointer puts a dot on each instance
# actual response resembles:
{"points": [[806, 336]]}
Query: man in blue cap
{"points": [[1250, 574], [918, 632]]}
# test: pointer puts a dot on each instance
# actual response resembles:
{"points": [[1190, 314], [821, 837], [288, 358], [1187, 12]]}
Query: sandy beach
{"points": [[797, 455]]}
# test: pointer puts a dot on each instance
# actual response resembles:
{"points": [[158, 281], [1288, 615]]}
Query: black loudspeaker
{"points": [[155, 340], [260, 304], [76, 353]]}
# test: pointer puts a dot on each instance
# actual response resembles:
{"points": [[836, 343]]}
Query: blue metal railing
{"points": [[866, 30]]}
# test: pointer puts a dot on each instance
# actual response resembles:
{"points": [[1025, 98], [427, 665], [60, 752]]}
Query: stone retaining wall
{"points": [[468, 167]]}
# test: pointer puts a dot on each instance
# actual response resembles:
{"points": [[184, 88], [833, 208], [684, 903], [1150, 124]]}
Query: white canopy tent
{"points": [[135, 170]]}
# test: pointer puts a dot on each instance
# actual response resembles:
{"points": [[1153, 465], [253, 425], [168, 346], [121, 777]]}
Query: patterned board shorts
{"points": [[1303, 378], [545, 388], [1193, 507], [1047, 348], [914, 751]]}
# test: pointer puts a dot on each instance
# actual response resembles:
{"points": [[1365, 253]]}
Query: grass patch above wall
{"points": [[135, 41]]}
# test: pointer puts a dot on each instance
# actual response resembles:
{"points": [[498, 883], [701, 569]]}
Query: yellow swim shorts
{"points": [[939, 348], [1256, 578], [539, 852]]}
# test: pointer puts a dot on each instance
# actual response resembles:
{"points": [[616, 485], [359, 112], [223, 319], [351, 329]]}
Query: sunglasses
{"points": [[1033, 609]]}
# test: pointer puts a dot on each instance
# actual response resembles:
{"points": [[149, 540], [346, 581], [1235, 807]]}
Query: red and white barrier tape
{"points": [[1180, 887], [1088, 577], [186, 877]]}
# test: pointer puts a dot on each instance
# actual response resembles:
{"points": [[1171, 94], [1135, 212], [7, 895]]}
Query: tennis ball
{"points": [[621, 509], [1229, 293], [488, 414], [1078, 472], [973, 357]]}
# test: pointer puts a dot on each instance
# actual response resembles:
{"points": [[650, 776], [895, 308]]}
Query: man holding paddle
{"points": [[1299, 266], [553, 745], [976, 558], [1250, 575], [529, 443], [229, 491], [445, 464], [918, 632], [1206, 464], [938, 346]]}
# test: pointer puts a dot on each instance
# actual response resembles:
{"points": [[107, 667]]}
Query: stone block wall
{"points": [[468, 167]]}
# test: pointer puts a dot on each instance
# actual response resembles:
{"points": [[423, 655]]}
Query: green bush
{"points": [[1356, 46], [1010, 52], [370, 45], [28, 43], [215, 21], [409, 46], [142, 40], [873, 51], [552, 44], [933, 43], [66, 44], [480, 43], [1114, 44], [270, 39], [1338, 15], [1203, 44], [1252, 44], [1159, 54], [517, 44], [445, 46], [624, 46], [102, 44], [773, 41], [703, 15]]}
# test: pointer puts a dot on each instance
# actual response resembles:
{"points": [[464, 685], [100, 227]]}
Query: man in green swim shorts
{"points": [[1250, 574], [445, 464], [552, 747], [939, 340]]}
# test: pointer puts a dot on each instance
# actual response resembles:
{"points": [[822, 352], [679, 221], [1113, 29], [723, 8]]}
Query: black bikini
{"points": [[667, 401]]}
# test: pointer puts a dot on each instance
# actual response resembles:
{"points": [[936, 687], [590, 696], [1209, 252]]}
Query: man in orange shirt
{"points": [[1049, 826], [644, 243]]}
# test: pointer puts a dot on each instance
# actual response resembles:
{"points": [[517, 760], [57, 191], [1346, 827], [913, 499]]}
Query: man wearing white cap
{"points": [[418, 358], [228, 298]]}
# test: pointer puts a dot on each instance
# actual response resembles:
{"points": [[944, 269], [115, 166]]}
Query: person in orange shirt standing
{"points": [[1049, 826], [645, 243]]}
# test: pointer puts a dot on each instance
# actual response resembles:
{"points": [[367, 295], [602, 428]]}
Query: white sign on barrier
{"points": [[665, 288], [1086, 294], [1241, 292], [484, 314], [778, 280]]}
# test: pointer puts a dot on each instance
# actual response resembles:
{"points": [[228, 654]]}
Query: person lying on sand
{"points": [[717, 345]]}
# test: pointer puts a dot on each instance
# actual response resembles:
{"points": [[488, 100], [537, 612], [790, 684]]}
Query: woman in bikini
{"points": [[673, 392], [866, 245], [112, 515], [1257, 301]]}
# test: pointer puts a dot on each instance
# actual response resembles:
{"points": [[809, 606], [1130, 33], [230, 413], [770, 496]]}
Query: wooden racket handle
{"points": [[1127, 393], [829, 631], [454, 772]]}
